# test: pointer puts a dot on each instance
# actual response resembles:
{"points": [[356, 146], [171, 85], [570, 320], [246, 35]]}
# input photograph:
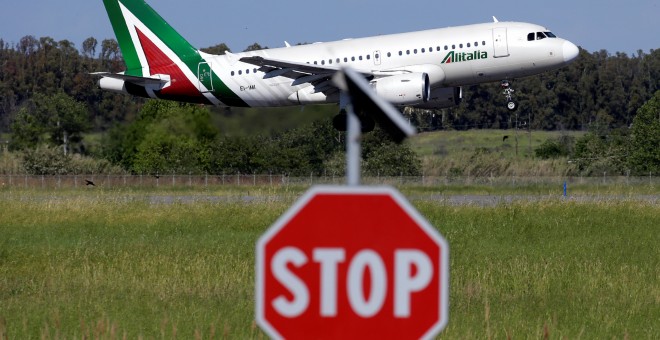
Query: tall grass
{"points": [[489, 153], [98, 264]]}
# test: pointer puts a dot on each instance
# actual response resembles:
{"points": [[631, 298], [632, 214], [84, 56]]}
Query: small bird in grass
{"points": [[89, 183], [505, 138]]}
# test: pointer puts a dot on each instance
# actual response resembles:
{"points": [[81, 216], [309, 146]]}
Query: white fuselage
{"points": [[452, 57]]}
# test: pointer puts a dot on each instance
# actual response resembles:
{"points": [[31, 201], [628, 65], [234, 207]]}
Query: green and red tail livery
{"points": [[152, 48]]}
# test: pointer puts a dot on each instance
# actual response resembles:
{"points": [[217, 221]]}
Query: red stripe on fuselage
{"points": [[159, 63]]}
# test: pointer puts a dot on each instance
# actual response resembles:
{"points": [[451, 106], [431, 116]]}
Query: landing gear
{"points": [[339, 122], [511, 105]]}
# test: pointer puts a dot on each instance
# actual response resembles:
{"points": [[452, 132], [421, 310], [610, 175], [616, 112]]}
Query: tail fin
{"points": [[148, 44]]}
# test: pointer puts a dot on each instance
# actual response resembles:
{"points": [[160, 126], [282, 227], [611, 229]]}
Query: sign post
{"points": [[353, 262]]}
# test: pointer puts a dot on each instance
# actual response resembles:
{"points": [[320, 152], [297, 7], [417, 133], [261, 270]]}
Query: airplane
{"points": [[424, 69]]}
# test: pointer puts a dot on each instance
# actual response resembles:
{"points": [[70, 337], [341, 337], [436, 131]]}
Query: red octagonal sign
{"points": [[352, 262]]}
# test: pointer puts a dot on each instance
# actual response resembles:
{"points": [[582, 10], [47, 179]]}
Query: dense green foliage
{"points": [[599, 88], [48, 98], [623, 151], [170, 137], [645, 140]]}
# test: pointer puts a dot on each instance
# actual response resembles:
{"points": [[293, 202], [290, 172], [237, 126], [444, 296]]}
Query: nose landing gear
{"points": [[511, 105]]}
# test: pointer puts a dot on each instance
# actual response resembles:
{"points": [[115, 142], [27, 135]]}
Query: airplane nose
{"points": [[570, 51]]}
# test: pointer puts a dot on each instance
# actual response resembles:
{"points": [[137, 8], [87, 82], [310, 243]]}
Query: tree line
{"points": [[49, 100]]}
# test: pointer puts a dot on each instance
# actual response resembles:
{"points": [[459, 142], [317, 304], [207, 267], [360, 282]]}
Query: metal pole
{"points": [[353, 147]]}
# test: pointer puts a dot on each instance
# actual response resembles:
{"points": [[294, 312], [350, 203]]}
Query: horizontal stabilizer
{"points": [[157, 79]]}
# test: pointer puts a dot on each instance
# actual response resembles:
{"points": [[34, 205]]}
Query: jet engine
{"points": [[404, 89], [442, 97]]}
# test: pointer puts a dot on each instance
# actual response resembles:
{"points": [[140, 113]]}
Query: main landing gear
{"points": [[339, 122], [508, 93]]}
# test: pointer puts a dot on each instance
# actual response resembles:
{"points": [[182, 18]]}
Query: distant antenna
{"points": [[495, 19]]}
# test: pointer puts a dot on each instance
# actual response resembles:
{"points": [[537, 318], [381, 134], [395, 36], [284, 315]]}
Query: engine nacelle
{"points": [[443, 97], [113, 84], [404, 89]]}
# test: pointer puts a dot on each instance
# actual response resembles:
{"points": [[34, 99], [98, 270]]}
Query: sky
{"points": [[613, 25]]}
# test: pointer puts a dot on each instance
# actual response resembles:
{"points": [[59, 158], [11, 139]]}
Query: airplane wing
{"points": [[300, 73], [142, 81]]}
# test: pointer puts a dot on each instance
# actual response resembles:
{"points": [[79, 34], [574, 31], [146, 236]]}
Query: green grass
{"points": [[108, 264], [464, 143], [484, 153]]}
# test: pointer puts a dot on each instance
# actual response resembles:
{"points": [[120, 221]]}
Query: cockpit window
{"points": [[540, 35]]}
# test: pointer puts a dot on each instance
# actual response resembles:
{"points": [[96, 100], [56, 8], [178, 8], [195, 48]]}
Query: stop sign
{"points": [[352, 262]]}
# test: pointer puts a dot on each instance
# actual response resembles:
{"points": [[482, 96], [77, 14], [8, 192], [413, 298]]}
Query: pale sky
{"points": [[614, 25]]}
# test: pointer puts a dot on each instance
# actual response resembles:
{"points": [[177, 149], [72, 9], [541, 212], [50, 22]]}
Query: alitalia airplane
{"points": [[424, 69]]}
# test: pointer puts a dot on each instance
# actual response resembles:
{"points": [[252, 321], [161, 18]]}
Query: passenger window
{"points": [[408, 52], [232, 73], [352, 58], [468, 44], [247, 71], [338, 60], [423, 50], [360, 57], [446, 47], [345, 60], [240, 72], [476, 43], [415, 51], [460, 45], [389, 54], [400, 53], [368, 56], [453, 47]]}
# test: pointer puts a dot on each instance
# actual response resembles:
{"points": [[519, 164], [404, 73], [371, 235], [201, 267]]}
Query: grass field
{"points": [[488, 153], [463, 143], [113, 264]]}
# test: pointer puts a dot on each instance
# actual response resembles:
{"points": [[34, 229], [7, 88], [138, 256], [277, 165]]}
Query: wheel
{"points": [[339, 122], [512, 106]]}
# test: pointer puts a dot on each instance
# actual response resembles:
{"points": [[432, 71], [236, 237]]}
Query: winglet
{"points": [[495, 19]]}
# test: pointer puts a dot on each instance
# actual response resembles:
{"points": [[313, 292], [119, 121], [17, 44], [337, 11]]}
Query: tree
{"points": [[89, 47], [56, 119], [384, 157], [645, 141], [254, 47], [219, 49], [166, 137]]}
